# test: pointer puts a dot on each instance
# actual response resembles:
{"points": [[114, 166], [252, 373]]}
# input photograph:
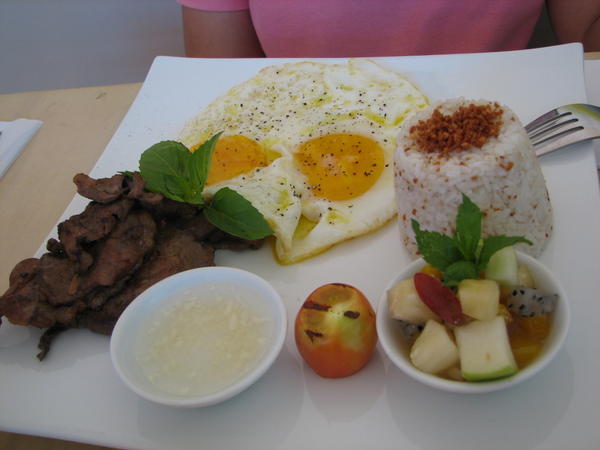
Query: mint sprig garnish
{"points": [[236, 215], [170, 169], [437, 249], [468, 228], [465, 254]]}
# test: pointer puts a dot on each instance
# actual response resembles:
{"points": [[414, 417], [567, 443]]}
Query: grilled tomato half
{"points": [[335, 330]]}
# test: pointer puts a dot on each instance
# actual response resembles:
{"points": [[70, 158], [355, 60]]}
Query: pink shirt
{"points": [[343, 28]]}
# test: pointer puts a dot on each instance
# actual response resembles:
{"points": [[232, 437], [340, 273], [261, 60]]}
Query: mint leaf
{"points": [[437, 249], [468, 228], [232, 213], [494, 243], [200, 161], [466, 254], [176, 188], [170, 169], [458, 271], [163, 168]]}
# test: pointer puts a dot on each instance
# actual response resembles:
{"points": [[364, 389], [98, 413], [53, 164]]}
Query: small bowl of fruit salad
{"points": [[484, 319]]}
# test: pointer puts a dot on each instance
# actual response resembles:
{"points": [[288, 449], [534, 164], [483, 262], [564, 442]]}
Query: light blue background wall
{"points": [[53, 44]]}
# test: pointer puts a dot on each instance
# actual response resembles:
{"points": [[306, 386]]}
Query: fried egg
{"points": [[310, 145]]}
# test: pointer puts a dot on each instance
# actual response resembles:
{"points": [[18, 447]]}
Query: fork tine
{"points": [[550, 115], [563, 126], [554, 126], [547, 120], [541, 139]]}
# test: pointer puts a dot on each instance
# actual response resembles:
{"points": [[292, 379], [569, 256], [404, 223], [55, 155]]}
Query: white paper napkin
{"points": [[14, 138]]}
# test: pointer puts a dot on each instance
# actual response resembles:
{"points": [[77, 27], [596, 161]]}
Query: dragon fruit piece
{"points": [[529, 302]]}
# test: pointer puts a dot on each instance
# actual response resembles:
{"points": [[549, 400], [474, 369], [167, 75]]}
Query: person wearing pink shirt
{"points": [[346, 28]]}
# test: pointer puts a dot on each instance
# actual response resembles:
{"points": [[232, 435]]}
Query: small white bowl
{"points": [[135, 318], [397, 349]]}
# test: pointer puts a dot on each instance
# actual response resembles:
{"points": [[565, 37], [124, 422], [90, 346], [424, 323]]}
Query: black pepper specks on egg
{"points": [[291, 103]]}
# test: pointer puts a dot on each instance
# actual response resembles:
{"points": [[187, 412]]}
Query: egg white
{"points": [[272, 190], [286, 105]]}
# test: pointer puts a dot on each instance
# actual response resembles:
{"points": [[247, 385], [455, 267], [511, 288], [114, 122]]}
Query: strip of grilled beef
{"points": [[51, 291], [126, 240], [102, 190], [93, 224], [176, 251]]}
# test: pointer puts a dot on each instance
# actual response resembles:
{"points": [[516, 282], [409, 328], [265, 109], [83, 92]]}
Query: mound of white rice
{"points": [[502, 176]]}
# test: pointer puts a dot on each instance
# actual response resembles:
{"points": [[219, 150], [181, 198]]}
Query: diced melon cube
{"points": [[434, 350], [405, 304], [479, 299], [484, 350], [503, 268]]}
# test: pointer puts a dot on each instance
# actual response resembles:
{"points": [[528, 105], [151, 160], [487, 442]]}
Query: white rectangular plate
{"points": [[75, 394]]}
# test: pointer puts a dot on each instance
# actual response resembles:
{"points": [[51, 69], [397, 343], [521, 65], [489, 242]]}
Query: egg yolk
{"points": [[233, 156], [340, 166]]}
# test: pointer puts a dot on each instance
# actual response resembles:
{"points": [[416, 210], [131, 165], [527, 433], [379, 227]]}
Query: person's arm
{"points": [[576, 21], [219, 34]]}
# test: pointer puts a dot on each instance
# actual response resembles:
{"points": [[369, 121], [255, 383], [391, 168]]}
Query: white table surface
{"points": [[592, 86]]}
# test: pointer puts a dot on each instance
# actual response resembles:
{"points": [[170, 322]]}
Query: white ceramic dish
{"points": [[397, 348], [235, 282], [57, 397]]}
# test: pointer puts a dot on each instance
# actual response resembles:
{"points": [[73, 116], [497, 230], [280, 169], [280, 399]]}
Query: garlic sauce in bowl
{"points": [[203, 342], [199, 337]]}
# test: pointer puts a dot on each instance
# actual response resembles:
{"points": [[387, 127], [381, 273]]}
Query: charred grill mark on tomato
{"points": [[313, 334], [315, 305], [352, 314]]}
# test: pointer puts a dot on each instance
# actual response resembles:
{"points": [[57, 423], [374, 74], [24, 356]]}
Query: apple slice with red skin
{"points": [[439, 298]]}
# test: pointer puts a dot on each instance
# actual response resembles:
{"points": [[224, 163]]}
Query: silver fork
{"points": [[564, 126]]}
